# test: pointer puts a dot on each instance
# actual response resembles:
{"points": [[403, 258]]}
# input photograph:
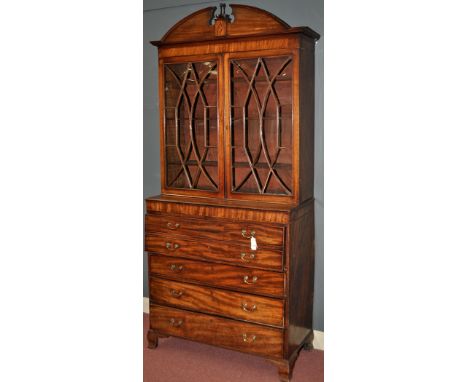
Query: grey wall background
{"points": [[158, 17]]}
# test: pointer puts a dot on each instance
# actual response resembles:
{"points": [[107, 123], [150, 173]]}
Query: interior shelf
{"points": [[261, 165], [242, 80], [288, 117], [195, 163], [193, 119], [191, 82], [205, 106]]}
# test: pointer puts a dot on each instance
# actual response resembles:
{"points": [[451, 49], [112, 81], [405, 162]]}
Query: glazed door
{"points": [[260, 125], [192, 155]]}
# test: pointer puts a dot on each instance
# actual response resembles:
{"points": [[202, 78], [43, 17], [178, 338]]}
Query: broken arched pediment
{"points": [[207, 24]]}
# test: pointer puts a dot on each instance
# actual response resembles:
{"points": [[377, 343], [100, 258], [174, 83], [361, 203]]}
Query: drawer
{"points": [[242, 306], [245, 337], [215, 229], [204, 249], [226, 276]]}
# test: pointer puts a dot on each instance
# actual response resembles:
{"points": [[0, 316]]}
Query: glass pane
{"points": [[261, 125], [191, 125]]}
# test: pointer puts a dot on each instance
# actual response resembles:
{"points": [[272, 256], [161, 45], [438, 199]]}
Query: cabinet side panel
{"points": [[301, 278], [307, 112], [162, 151]]}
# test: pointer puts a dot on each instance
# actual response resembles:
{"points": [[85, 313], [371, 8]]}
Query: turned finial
{"points": [[221, 21]]}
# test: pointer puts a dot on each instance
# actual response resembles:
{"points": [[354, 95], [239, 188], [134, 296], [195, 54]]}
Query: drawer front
{"points": [[245, 337], [204, 249], [244, 279], [215, 229], [247, 307]]}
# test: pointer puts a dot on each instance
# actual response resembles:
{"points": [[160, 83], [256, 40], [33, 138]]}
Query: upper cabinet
{"points": [[237, 107]]}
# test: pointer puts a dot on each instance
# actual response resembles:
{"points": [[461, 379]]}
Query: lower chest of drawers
{"points": [[208, 284]]}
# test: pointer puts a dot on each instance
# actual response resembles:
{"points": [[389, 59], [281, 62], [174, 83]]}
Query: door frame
{"points": [[220, 130], [294, 197]]}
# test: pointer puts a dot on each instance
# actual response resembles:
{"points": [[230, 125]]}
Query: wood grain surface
{"points": [[239, 232], [211, 250], [220, 208], [218, 275], [241, 336], [241, 306]]}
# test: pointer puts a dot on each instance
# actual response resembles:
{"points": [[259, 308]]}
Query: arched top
{"points": [[195, 26], [252, 20], [245, 20]]}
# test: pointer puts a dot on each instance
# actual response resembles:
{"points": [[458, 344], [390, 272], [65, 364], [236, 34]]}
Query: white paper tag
{"points": [[253, 244]]}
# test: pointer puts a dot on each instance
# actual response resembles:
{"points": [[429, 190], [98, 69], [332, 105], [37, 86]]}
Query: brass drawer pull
{"points": [[245, 307], [244, 234], [176, 268], [175, 323], [172, 225], [246, 339], [171, 246], [251, 256], [176, 293], [254, 280]]}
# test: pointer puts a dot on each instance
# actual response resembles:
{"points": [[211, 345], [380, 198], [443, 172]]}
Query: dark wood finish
{"points": [[241, 210], [285, 368], [266, 235], [191, 141], [152, 338], [261, 107], [231, 334], [230, 209], [231, 45], [301, 280], [191, 138], [194, 27], [241, 306], [211, 250], [236, 96], [306, 114], [249, 21], [309, 342], [238, 278]]}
